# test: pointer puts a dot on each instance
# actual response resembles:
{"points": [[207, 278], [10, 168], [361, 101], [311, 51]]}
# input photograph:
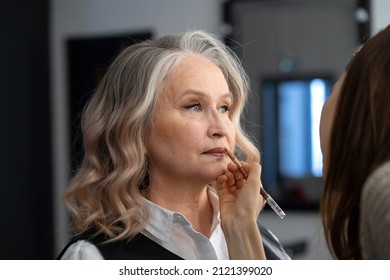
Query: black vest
{"points": [[143, 248]]}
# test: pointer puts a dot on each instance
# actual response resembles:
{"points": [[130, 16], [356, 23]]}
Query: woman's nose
{"points": [[217, 125]]}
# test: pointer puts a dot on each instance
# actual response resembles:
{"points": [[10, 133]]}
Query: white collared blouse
{"points": [[172, 231]]}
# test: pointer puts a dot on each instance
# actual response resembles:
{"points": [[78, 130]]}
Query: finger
{"points": [[238, 174], [230, 179], [222, 179], [221, 185]]}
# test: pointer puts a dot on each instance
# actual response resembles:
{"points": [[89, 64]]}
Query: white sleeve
{"points": [[82, 250]]}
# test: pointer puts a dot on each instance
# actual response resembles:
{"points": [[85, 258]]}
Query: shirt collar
{"points": [[214, 200], [160, 220]]}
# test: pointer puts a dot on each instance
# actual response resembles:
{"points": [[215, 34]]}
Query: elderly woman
{"points": [[155, 182]]}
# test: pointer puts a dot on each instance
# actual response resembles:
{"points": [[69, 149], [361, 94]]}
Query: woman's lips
{"points": [[216, 152]]}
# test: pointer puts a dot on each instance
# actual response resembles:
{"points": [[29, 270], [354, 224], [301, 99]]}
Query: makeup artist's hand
{"points": [[239, 196], [240, 203]]}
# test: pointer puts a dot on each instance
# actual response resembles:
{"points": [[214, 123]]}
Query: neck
{"points": [[191, 201]]}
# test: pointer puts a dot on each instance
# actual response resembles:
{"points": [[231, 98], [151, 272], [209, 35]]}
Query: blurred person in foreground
{"points": [[355, 141]]}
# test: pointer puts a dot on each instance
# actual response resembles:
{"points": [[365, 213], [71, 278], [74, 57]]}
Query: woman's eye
{"points": [[224, 109], [194, 106]]}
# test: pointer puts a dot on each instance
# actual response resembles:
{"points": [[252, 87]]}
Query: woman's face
{"points": [[191, 127], [326, 121]]}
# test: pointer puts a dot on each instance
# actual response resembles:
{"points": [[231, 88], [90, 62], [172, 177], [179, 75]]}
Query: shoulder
{"points": [[82, 250], [375, 214], [377, 186]]}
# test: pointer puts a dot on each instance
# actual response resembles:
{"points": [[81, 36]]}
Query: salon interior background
{"points": [[35, 107]]}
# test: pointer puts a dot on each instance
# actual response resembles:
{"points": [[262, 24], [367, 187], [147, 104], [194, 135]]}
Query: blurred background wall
{"points": [[26, 199], [36, 109]]}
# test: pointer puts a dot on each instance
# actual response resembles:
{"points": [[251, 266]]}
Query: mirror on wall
{"points": [[293, 51]]}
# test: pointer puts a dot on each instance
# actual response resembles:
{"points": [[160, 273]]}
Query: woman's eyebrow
{"points": [[201, 93]]}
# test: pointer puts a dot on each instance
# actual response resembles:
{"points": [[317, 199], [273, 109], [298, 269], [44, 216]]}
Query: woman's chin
{"points": [[220, 172]]}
